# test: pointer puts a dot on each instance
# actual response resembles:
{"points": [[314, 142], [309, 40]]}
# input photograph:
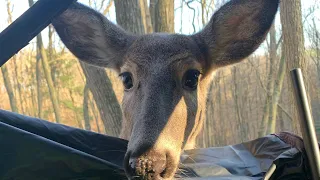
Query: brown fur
{"points": [[160, 117]]}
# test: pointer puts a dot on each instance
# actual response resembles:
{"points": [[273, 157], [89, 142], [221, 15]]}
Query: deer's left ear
{"points": [[235, 31]]}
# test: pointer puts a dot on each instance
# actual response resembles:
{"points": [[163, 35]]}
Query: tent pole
{"points": [[306, 123], [270, 172]]}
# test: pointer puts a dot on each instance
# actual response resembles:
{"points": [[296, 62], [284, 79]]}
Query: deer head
{"points": [[165, 76]]}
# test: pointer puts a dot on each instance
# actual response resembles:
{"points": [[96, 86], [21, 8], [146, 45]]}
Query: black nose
{"points": [[146, 167]]}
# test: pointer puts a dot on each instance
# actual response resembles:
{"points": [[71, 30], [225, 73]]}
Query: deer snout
{"points": [[147, 167], [152, 165]]}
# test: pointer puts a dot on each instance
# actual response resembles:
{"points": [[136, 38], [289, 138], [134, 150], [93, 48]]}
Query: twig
{"points": [[194, 13]]}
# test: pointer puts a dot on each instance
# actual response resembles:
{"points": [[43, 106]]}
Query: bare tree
{"points": [[270, 82], [105, 98], [47, 73], [145, 15], [14, 60], [163, 16], [86, 116], [293, 45], [152, 10], [8, 86], [6, 78], [129, 15], [237, 102], [38, 78], [276, 97]]}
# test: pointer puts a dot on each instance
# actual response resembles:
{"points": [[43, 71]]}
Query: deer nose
{"points": [[149, 167]]}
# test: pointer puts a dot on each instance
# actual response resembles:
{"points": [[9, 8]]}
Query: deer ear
{"points": [[236, 30], [91, 37]]}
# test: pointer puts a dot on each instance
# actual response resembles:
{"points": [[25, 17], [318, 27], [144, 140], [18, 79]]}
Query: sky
{"points": [[186, 27]]}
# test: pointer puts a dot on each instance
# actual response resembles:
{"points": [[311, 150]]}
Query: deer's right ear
{"points": [[235, 31], [91, 37]]}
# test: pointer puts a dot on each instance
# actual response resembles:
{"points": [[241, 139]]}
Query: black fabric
{"points": [[42, 150], [34, 149], [291, 164]]}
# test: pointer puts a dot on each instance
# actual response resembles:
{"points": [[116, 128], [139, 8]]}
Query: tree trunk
{"points": [[74, 109], [93, 110], [6, 78], [209, 116], [32, 83], [164, 16], [47, 73], [152, 9], [272, 89], [265, 116], [8, 86], [224, 139], [268, 103], [18, 85], [51, 56], [129, 16], [281, 119], [203, 12], [276, 96], [145, 14], [86, 116], [106, 100], [293, 47], [237, 103], [315, 38], [38, 77], [218, 137], [14, 59]]}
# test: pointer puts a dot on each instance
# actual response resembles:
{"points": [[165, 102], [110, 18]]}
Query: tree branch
{"points": [[194, 13]]}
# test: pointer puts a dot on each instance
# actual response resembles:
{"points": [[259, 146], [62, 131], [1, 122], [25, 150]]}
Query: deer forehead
{"points": [[159, 52]]}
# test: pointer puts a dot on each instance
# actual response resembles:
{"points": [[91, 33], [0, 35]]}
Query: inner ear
{"points": [[91, 37], [236, 30]]}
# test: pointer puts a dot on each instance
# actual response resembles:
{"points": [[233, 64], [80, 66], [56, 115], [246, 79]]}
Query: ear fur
{"points": [[235, 31], [91, 37]]}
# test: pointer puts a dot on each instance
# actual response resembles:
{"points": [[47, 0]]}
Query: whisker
{"points": [[186, 170], [113, 151], [192, 159], [181, 171]]}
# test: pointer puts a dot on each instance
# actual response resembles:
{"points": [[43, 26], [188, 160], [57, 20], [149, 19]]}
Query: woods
{"points": [[247, 100]]}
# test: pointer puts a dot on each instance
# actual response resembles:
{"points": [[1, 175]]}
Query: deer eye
{"points": [[190, 80], [126, 78]]}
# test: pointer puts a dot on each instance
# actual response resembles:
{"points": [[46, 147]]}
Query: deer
{"points": [[165, 75]]}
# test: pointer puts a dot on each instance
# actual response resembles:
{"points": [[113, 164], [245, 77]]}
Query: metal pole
{"points": [[306, 123], [270, 172]]}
